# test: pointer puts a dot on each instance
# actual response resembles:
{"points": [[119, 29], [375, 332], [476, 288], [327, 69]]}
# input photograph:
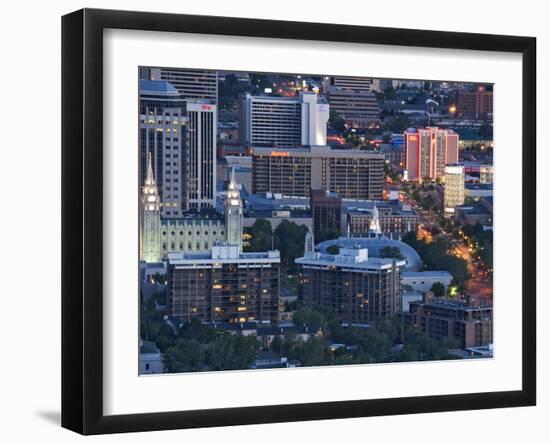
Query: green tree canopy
{"points": [[391, 252], [184, 356], [289, 240], [326, 234], [261, 235], [438, 289], [337, 121], [232, 352]]}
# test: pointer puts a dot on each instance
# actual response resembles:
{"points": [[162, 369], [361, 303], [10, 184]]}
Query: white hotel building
{"points": [[284, 122]]}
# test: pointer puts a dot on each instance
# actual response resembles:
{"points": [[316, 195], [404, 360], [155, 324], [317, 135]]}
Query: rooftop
{"points": [[222, 253], [355, 258], [156, 87], [419, 274], [446, 303], [148, 347], [479, 186], [375, 246]]}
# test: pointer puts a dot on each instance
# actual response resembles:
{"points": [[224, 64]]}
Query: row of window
{"points": [[189, 233]]}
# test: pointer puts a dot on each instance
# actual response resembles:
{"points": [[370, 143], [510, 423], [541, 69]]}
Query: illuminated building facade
{"points": [[359, 288], [454, 188], [162, 133], [194, 232], [351, 173], [285, 122], [394, 219], [233, 207], [149, 217], [428, 150], [201, 154], [225, 285]]}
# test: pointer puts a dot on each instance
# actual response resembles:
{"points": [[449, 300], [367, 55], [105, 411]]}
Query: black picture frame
{"points": [[82, 215]]}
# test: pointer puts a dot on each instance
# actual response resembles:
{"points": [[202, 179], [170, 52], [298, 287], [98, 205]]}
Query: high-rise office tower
{"points": [[284, 122], [198, 84], [326, 210], [428, 150], [357, 107], [354, 83], [162, 133], [454, 188], [201, 154]]}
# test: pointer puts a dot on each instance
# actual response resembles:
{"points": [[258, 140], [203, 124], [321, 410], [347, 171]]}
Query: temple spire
{"points": [[233, 213], [232, 181], [375, 222], [150, 179]]}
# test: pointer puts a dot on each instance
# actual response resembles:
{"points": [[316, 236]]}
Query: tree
{"points": [[389, 94], [411, 239], [312, 352], [326, 234], [194, 329], [400, 123], [261, 235], [374, 346], [184, 356], [419, 346], [310, 317], [289, 240], [232, 352], [337, 121], [438, 289], [391, 252]]}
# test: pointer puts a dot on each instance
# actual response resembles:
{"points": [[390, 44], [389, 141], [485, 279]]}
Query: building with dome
{"points": [[376, 242], [360, 288]]}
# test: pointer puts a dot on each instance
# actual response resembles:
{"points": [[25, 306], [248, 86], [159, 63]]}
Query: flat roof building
{"points": [[424, 280], [326, 210], [357, 107], [466, 321], [224, 285], [351, 173], [354, 83], [428, 150], [359, 288], [163, 135], [285, 122], [476, 103], [454, 188], [395, 219], [198, 84]]}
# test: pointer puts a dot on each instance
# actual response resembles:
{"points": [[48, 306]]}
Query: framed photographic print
{"points": [[270, 221]]}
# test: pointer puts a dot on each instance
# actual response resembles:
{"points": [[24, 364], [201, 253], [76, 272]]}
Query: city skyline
{"points": [[295, 220]]}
